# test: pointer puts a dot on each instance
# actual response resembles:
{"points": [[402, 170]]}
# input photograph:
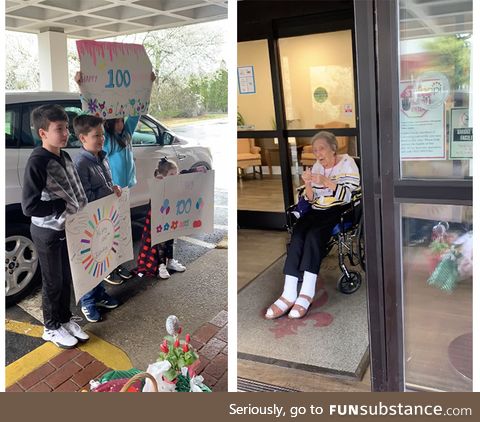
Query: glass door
{"points": [[417, 150], [290, 86]]}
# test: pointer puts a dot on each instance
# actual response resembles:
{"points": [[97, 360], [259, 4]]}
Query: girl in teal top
{"points": [[118, 146]]}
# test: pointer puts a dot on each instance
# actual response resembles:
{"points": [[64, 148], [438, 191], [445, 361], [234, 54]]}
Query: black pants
{"points": [[56, 276], [309, 241]]}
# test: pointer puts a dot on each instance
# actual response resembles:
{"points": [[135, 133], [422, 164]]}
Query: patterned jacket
{"points": [[51, 189]]}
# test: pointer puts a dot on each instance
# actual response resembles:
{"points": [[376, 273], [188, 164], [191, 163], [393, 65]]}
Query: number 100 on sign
{"points": [[122, 78]]}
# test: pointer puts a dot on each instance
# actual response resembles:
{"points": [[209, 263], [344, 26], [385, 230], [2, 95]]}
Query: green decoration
{"points": [[445, 275], [115, 375], [320, 94]]}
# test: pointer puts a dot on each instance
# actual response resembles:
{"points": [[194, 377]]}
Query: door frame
{"points": [[377, 29], [285, 27]]}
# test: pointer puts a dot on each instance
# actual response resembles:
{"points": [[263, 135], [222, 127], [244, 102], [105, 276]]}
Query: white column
{"points": [[52, 56]]}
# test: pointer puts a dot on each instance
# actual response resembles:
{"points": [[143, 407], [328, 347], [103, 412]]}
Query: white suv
{"points": [[151, 141]]}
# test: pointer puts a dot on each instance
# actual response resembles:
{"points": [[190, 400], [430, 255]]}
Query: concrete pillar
{"points": [[52, 56]]}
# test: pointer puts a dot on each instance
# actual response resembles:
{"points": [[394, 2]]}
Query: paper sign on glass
{"points": [[99, 239], [181, 205], [116, 78]]}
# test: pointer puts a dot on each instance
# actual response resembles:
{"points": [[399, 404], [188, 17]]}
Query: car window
{"points": [[29, 138], [11, 127], [146, 133], [73, 141]]}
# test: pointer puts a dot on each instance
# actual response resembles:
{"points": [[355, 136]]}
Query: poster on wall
{"points": [[246, 80], [422, 125], [332, 94], [99, 239], [116, 78], [182, 205], [461, 134]]}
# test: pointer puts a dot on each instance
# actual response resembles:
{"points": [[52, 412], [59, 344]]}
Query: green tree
{"points": [[453, 58]]}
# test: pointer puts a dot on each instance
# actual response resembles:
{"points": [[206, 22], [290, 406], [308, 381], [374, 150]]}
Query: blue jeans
{"points": [[93, 296]]}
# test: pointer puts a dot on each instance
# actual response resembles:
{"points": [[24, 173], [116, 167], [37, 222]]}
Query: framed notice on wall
{"points": [[246, 80], [461, 134]]}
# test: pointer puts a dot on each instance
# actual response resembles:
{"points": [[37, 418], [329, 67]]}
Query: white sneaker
{"points": [[60, 337], [75, 330], [174, 265], [163, 272]]}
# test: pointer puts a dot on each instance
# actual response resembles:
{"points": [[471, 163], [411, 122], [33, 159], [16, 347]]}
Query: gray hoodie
{"points": [[95, 174]]}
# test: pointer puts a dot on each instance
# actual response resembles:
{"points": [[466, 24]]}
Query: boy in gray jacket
{"points": [[96, 177], [51, 189]]}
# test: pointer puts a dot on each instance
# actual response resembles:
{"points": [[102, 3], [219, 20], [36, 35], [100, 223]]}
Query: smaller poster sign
{"points": [[116, 78], [246, 80], [182, 205], [461, 134]]}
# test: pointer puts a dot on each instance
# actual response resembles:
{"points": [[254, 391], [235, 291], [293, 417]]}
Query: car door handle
{"points": [[181, 156]]}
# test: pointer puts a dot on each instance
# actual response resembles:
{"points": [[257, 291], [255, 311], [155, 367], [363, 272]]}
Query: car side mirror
{"points": [[167, 138]]}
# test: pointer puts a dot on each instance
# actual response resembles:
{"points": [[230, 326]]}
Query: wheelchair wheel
{"points": [[349, 285], [358, 247]]}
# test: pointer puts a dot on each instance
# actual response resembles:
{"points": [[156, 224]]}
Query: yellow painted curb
{"points": [[103, 351], [23, 328], [28, 363]]}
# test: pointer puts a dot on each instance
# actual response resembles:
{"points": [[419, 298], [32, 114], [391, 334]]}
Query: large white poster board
{"points": [[182, 205], [99, 238], [116, 78], [422, 127]]}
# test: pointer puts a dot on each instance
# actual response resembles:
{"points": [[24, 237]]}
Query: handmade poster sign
{"points": [[181, 205], [99, 238], [116, 78]]}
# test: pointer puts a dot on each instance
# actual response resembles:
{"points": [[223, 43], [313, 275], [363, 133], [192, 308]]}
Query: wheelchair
{"points": [[347, 235]]}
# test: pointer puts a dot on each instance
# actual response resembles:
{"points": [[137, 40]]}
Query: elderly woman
{"points": [[328, 188]]}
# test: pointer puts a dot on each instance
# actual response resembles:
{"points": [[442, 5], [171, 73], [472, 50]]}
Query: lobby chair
{"points": [[248, 155]]}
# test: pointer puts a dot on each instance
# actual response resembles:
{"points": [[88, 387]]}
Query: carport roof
{"points": [[94, 19]]}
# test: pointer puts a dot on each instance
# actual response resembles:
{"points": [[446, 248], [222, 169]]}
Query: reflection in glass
{"points": [[437, 284], [317, 76], [434, 92]]}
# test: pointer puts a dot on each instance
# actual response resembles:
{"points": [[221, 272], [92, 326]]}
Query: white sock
{"points": [[290, 288], [289, 294], [309, 283], [308, 289]]}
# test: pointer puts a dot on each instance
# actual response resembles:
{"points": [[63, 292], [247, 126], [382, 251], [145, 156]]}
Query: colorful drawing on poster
{"points": [[98, 239], [183, 204], [116, 78], [104, 231]]}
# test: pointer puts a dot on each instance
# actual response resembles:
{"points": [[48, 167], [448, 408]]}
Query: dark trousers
{"points": [[308, 245], [56, 276]]}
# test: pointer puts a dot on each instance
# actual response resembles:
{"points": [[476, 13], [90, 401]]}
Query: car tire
{"points": [[22, 267]]}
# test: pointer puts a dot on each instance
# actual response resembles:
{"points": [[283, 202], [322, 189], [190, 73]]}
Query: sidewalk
{"points": [[49, 368]]}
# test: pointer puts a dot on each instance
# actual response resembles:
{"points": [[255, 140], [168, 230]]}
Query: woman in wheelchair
{"points": [[327, 191]]}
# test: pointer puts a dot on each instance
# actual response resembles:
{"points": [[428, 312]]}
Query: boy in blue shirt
{"points": [[94, 171]]}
